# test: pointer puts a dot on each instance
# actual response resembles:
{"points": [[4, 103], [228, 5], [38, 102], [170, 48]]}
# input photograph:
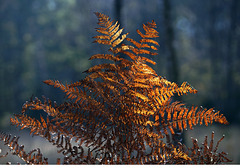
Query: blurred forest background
{"points": [[52, 39]]}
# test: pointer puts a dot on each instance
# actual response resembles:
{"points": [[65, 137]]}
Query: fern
{"points": [[119, 110]]}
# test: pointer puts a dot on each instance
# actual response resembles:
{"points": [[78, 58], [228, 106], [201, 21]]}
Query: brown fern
{"points": [[33, 157], [119, 110]]}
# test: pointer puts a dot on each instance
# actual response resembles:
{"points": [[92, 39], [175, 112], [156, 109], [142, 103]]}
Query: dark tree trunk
{"points": [[173, 69], [172, 62], [118, 8], [231, 53], [214, 54]]}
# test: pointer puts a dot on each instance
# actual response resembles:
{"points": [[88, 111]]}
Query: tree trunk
{"points": [[231, 53], [214, 54], [172, 63], [118, 8]]}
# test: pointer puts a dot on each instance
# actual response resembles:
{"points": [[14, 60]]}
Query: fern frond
{"points": [[105, 56], [205, 154], [121, 111], [150, 32], [71, 92], [108, 67], [177, 116], [36, 104], [121, 49], [143, 43], [103, 20], [33, 157], [149, 41], [111, 31]]}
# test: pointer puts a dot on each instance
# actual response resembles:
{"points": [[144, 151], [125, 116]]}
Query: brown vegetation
{"points": [[122, 111]]}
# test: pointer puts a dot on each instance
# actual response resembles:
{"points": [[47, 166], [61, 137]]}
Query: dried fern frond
{"points": [[122, 111], [112, 34], [206, 153], [33, 157], [177, 116]]}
